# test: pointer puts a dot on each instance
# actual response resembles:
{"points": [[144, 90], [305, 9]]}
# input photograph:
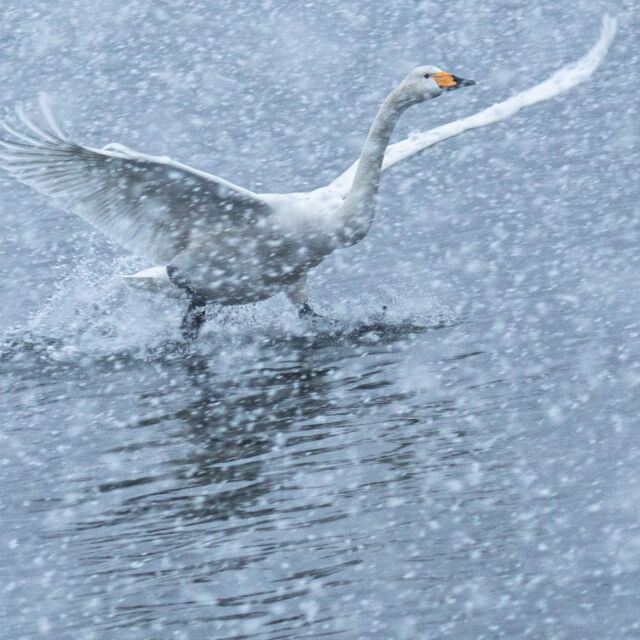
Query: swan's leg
{"points": [[193, 318], [195, 314], [299, 298]]}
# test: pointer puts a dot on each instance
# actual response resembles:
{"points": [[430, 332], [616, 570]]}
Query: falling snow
{"points": [[451, 451]]}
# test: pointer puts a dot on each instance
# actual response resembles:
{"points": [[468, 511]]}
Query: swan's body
{"points": [[224, 243]]}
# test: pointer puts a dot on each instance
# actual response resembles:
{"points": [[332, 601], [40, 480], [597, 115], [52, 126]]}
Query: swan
{"points": [[221, 242]]}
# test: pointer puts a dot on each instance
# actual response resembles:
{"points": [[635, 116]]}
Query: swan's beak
{"points": [[448, 82]]}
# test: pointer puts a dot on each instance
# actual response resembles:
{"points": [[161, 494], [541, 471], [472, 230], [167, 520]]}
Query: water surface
{"points": [[461, 465]]}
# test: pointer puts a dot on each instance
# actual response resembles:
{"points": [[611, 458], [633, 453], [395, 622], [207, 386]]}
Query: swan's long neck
{"points": [[357, 212]]}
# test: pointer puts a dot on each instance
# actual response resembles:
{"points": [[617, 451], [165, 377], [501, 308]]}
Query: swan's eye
{"points": [[427, 75]]}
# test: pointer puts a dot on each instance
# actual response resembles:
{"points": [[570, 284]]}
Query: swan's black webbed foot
{"points": [[195, 315], [305, 311]]}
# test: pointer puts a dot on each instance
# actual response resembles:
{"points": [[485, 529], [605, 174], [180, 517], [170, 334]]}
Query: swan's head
{"points": [[427, 82]]}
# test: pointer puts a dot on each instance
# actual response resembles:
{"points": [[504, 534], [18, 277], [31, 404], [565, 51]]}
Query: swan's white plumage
{"points": [[235, 245], [151, 205], [564, 79]]}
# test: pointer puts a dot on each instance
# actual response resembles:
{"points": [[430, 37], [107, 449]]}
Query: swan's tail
{"points": [[564, 79]]}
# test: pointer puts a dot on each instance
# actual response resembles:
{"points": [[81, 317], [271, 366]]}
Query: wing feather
{"points": [[564, 79], [152, 206]]}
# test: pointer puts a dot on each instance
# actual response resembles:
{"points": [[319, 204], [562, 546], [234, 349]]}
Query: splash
{"points": [[92, 313]]}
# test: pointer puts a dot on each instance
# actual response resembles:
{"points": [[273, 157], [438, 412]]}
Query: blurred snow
{"points": [[461, 464]]}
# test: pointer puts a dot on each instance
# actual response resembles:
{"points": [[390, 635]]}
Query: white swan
{"points": [[226, 244]]}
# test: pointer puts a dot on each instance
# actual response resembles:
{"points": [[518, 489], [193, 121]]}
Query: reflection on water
{"points": [[375, 484]]}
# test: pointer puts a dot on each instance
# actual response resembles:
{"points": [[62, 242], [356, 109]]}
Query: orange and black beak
{"points": [[448, 82]]}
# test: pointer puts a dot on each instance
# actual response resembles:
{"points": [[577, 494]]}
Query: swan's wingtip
{"points": [[609, 26], [46, 107], [44, 98]]}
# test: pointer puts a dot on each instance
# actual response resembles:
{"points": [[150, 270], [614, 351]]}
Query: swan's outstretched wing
{"points": [[152, 206], [562, 80]]}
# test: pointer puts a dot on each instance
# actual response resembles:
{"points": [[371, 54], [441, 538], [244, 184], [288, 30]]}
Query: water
{"points": [[462, 464]]}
